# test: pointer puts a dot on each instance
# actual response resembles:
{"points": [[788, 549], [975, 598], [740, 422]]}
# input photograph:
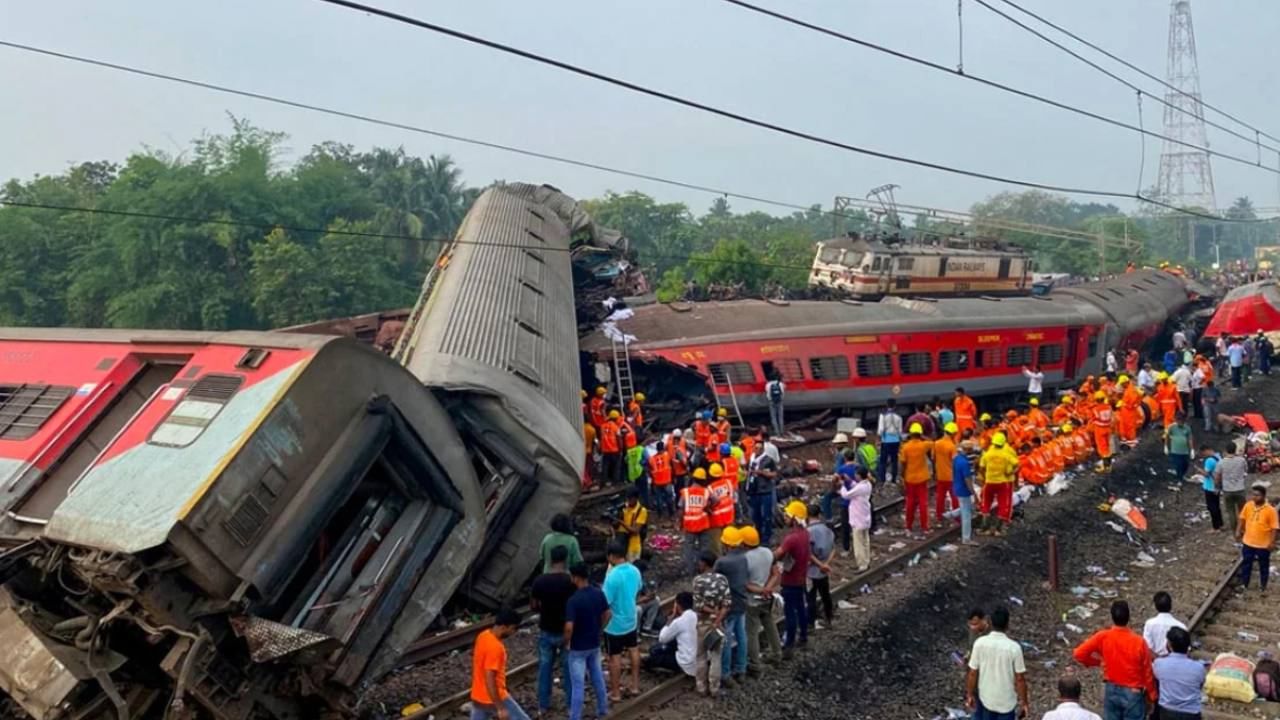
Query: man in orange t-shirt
{"points": [[1126, 665], [1256, 531], [914, 461], [489, 696]]}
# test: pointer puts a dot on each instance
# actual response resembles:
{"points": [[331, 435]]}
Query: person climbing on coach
{"points": [[914, 458]]}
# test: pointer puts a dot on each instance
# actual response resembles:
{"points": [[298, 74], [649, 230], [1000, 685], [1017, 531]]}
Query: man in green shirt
{"points": [[561, 535], [1178, 444]]}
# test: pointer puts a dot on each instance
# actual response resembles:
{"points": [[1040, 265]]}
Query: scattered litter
{"points": [[1096, 569], [948, 548], [1130, 513], [1028, 646], [1063, 637], [865, 589], [914, 561], [1075, 629], [957, 657], [1079, 591], [1050, 664], [954, 714], [1057, 485], [1115, 526], [897, 545], [1016, 600], [1248, 636], [1144, 561], [846, 605], [897, 574], [1079, 611]]}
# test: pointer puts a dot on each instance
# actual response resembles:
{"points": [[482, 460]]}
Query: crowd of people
{"points": [[725, 491]]}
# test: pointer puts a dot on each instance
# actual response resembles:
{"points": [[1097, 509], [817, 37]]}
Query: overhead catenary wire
{"points": [[751, 121], [959, 72], [1139, 70], [527, 152], [1175, 107]]}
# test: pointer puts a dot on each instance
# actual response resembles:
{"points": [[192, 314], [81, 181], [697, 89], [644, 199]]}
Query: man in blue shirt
{"points": [[962, 486], [1235, 358], [622, 584], [1212, 498], [1179, 679]]}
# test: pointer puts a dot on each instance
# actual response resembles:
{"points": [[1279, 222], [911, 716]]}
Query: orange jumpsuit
{"points": [[1170, 402], [1129, 416], [1153, 407], [966, 413], [1102, 419], [1038, 418], [1061, 414]]}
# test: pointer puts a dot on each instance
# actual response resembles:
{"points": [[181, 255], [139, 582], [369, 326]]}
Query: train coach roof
{"points": [[659, 325], [249, 338], [877, 245]]}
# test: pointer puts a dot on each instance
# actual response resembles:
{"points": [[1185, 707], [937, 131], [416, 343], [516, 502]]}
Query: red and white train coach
{"points": [[858, 354]]}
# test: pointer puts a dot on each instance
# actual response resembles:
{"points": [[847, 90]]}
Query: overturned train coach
{"points": [[856, 355], [256, 522]]}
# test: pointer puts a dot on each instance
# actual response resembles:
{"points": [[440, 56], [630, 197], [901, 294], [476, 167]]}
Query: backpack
{"points": [[1266, 679], [775, 392]]}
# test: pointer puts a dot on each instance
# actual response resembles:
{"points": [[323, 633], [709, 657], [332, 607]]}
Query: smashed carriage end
{"points": [[253, 524]]}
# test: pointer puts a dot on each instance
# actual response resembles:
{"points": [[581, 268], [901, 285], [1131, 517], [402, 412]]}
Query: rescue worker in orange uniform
{"points": [[723, 503], [1102, 425], [723, 427], [680, 460], [1151, 407], [635, 414], [589, 444], [966, 411], [1032, 465], [597, 407], [944, 453], [989, 429], [611, 449], [662, 478], [1038, 419], [1088, 387], [1168, 398], [913, 457], [1062, 411], [695, 520], [1129, 414], [702, 429]]}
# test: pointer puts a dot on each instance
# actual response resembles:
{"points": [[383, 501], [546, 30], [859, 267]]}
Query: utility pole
{"points": [[1186, 178]]}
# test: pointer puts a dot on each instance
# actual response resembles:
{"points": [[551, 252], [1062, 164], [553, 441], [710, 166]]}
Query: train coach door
{"points": [[1075, 350], [1005, 264]]}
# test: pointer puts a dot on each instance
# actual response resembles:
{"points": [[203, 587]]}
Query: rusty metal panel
{"points": [[32, 674]]}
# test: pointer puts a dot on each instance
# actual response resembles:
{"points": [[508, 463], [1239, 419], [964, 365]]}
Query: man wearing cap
{"points": [[794, 554], [695, 520], [733, 565], [999, 465], [944, 453], [763, 580], [1037, 417], [914, 461]]}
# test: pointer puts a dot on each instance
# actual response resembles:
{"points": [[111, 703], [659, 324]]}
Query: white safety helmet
{"points": [[859, 433], [840, 439], [676, 433]]}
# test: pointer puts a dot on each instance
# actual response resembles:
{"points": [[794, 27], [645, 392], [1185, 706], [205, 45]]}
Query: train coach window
{"points": [[736, 373], [1049, 354], [987, 358], [24, 408], [905, 263], [788, 369], [916, 363], [874, 366], [197, 409], [953, 360], [1018, 355], [834, 367], [876, 264], [1093, 346]]}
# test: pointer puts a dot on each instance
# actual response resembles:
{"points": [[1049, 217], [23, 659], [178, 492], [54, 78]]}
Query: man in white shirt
{"points": [[677, 646], [1156, 630], [997, 674], [1112, 363], [1069, 702], [1035, 380], [1181, 379], [1146, 378], [1179, 340]]}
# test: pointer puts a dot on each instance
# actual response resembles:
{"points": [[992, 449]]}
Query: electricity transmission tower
{"points": [[1186, 179]]}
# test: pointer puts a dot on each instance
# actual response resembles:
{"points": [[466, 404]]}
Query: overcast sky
{"points": [[54, 113]]}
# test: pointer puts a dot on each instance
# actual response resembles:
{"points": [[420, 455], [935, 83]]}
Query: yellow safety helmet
{"points": [[1119, 403], [1099, 395], [731, 537], [600, 390], [750, 536], [984, 417], [1035, 402], [1123, 380], [722, 412], [998, 439], [639, 397], [797, 510], [915, 429], [1162, 375], [699, 474], [715, 470], [951, 428], [1066, 427], [614, 414]]}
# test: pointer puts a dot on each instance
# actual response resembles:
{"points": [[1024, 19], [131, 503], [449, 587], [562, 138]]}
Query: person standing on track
{"points": [[944, 453], [585, 616], [856, 489], [763, 581], [611, 449], [996, 687], [822, 543], [1126, 666], [1256, 531], [914, 461], [489, 696], [889, 430], [794, 555], [1181, 379], [733, 566], [1212, 499], [1180, 679], [1209, 397], [1235, 360], [1230, 476], [962, 489], [622, 585], [761, 478], [999, 466], [548, 596]]}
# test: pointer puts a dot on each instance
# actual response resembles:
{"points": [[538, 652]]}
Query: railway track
{"points": [[1230, 621], [891, 552]]}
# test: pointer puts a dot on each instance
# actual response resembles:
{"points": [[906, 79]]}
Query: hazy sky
{"points": [[55, 112]]}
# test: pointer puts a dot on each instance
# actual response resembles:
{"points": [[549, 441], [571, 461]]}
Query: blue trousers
{"points": [[550, 649], [584, 664], [888, 456], [664, 499], [1249, 554], [733, 658], [514, 711], [796, 615], [1122, 703], [762, 516]]}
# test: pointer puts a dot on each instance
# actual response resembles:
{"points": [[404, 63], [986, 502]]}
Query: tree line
{"points": [[227, 236]]}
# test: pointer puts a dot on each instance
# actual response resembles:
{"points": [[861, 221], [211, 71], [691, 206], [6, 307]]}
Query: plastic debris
{"points": [[1115, 526], [1079, 591], [957, 657], [1248, 636], [846, 605], [914, 561], [1144, 561], [1075, 629], [897, 545], [948, 548], [1079, 611], [1029, 647], [1050, 664], [1096, 569], [865, 589], [1130, 513], [1016, 600]]}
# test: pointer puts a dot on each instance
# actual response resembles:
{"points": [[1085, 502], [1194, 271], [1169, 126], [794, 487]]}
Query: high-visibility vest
{"points": [[660, 468], [634, 414], [609, 438], [629, 438], [635, 462], [712, 453], [679, 458], [695, 518], [701, 432], [723, 429], [597, 412], [1102, 417], [722, 501], [731, 469], [748, 446]]}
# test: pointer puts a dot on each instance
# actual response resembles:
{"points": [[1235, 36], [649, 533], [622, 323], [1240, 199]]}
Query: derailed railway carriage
{"points": [[254, 524]]}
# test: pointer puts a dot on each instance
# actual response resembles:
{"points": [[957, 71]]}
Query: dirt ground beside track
{"points": [[891, 655]]}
